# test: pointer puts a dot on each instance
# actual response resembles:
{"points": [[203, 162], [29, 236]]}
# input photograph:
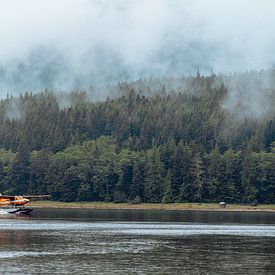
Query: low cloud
{"points": [[69, 44]]}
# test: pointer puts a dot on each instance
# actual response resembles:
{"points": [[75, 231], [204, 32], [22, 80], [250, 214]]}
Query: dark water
{"points": [[58, 241]]}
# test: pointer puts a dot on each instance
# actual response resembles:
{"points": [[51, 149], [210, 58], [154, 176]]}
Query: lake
{"points": [[83, 241]]}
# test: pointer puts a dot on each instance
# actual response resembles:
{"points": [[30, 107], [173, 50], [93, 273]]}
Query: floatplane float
{"points": [[16, 204]]}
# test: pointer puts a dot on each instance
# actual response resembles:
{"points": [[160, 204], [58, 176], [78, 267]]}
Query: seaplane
{"points": [[16, 204]]}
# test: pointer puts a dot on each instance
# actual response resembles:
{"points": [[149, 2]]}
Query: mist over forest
{"points": [[163, 100], [70, 44]]}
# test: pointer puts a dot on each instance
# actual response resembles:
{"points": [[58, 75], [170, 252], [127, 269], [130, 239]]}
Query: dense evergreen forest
{"points": [[163, 140]]}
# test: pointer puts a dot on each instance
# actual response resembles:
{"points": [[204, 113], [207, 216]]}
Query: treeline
{"points": [[157, 144]]}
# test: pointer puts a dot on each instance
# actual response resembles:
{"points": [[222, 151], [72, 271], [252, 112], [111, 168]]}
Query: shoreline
{"points": [[153, 206]]}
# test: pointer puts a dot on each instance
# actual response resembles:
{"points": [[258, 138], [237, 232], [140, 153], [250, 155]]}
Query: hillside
{"points": [[164, 140]]}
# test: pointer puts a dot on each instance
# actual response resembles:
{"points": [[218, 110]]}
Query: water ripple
{"points": [[140, 228]]}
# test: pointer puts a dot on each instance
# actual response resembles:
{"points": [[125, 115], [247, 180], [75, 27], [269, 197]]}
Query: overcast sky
{"points": [[65, 43]]}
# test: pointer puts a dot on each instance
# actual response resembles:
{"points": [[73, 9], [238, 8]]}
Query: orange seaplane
{"points": [[16, 204]]}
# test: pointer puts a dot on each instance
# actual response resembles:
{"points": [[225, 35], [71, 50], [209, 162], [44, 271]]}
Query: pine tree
{"points": [[167, 186], [153, 181]]}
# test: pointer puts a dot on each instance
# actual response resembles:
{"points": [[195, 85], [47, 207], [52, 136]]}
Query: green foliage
{"points": [[148, 142], [167, 193]]}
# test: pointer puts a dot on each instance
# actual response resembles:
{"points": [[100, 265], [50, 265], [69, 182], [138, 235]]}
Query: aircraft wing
{"points": [[36, 196], [26, 197]]}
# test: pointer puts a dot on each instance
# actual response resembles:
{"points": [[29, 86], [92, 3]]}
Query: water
{"points": [[59, 241]]}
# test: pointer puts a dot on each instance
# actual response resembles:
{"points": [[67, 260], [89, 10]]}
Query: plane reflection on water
{"points": [[16, 238]]}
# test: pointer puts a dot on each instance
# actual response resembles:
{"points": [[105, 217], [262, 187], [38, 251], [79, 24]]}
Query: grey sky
{"points": [[66, 43]]}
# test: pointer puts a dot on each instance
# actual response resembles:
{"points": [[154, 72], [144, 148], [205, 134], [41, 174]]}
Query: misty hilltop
{"points": [[77, 44], [165, 101]]}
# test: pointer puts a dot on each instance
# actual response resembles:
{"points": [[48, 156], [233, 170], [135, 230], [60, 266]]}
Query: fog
{"points": [[66, 44]]}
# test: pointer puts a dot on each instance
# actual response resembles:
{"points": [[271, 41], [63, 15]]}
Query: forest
{"points": [[160, 140]]}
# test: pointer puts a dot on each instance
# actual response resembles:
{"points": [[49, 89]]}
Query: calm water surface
{"points": [[79, 241]]}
